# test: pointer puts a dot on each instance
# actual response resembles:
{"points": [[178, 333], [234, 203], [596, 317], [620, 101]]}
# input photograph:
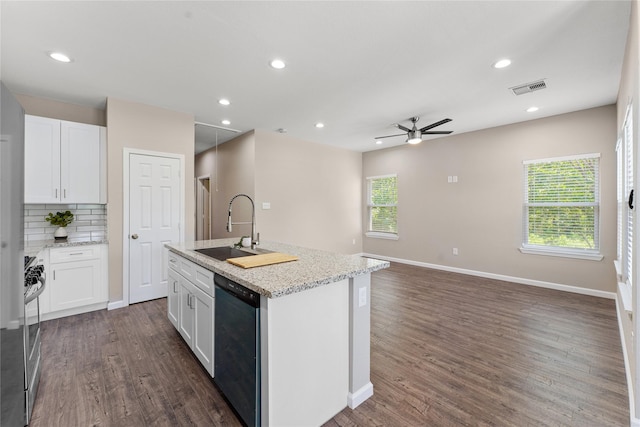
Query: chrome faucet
{"points": [[255, 239]]}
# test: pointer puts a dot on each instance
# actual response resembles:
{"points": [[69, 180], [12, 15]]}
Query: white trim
{"points": [[563, 158], [519, 280], [625, 294], [391, 175], [113, 305], [126, 153], [356, 398], [380, 235], [561, 252], [633, 421]]}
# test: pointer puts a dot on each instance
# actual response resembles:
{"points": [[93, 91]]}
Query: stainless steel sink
{"points": [[222, 253]]}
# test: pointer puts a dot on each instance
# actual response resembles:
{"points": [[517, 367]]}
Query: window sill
{"points": [[625, 295], [378, 235], [560, 253]]}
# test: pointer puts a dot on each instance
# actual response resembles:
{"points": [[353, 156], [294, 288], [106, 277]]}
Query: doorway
{"points": [[203, 208]]}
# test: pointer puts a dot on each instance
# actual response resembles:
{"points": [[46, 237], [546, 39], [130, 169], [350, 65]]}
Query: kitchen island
{"points": [[314, 327]]}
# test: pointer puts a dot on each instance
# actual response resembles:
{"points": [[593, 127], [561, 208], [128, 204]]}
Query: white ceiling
{"points": [[357, 66]]}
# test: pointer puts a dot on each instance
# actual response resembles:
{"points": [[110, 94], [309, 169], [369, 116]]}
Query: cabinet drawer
{"points": [[199, 276], [174, 261], [75, 253]]}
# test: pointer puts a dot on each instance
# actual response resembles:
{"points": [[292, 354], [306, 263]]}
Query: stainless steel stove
{"points": [[34, 282]]}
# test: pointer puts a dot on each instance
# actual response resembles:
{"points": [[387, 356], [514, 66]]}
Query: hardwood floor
{"points": [[447, 350]]}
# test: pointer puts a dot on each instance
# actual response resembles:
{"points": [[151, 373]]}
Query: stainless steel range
{"points": [[34, 282]]}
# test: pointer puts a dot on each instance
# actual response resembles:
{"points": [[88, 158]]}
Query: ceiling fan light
{"points": [[414, 137]]}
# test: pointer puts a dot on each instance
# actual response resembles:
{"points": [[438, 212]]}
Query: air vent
{"points": [[529, 87]]}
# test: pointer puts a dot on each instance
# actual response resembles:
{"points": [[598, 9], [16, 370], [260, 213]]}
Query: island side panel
{"points": [[360, 387], [305, 356]]}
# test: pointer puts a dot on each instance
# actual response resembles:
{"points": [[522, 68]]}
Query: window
{"points": [[382, 204], [562, 204], [624, 258]]}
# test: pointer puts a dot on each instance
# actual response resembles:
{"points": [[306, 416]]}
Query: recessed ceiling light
{"points": [[532, 109], [224, 101], [61, 57], [278, 64], [319, 125], [378, 142], [226, 122], [502, 63]]}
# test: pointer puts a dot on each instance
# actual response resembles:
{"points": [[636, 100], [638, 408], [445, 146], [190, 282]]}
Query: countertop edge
{"points": [[235, 273], [32, 248]]}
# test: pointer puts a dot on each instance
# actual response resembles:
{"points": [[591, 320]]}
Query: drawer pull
{"points": [[76, 253]]}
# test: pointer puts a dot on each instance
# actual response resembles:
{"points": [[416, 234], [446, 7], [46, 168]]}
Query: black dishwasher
{"points": [[237, 348]]}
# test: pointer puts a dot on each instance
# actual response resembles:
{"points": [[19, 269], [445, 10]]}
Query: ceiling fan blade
{"points": [[437, 132], [389, 136], [404, 128], [433, 125]]}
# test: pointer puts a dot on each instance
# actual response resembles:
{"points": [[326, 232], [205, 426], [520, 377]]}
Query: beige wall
{"points": [[138, 126], [629, 94], [314, 190], [236, 164], [62, 110], [481, 215]]}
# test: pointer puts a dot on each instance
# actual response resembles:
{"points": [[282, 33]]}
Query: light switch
{"points": [[266, 205], [362, 297]]}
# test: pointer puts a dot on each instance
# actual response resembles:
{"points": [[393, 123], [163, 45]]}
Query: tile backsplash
{"points": [[89, 222]]}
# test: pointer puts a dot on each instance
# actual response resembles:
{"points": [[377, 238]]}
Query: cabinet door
{"points": [[186, 312], [79, 163], [173, 299], [74, 284], [42, 160], [203, 328]]}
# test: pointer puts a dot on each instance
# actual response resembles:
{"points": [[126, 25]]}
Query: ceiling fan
{"points": [[414, 135]]}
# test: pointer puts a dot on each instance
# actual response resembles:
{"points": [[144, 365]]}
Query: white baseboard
{"points": [[359, 396], [633, 421], [520, 280], [115, 304]]}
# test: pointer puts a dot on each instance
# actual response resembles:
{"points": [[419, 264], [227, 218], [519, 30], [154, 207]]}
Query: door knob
{"points": [[134, 236]]}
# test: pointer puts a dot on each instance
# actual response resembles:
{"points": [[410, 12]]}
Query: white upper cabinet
{"points": [[65, 161]]}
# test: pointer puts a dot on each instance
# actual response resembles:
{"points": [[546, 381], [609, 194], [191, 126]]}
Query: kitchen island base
{"points": [[314, 329]]}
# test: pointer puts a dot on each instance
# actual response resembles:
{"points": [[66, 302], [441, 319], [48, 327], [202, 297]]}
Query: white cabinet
{"points": [[76, 281], [65, 161], [190, 306]]}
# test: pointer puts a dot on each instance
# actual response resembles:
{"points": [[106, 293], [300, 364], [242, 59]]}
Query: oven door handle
{"points": [[35, 295]]}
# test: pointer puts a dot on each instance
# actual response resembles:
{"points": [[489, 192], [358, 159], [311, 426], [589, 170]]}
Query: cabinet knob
{"points": [[134, 236]]}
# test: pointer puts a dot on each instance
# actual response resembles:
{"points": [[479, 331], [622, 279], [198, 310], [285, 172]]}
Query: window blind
{"points": [[562, 203], [383, 204]]}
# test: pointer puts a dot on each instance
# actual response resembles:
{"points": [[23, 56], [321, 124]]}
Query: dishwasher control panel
{"points": [[247, 295]]}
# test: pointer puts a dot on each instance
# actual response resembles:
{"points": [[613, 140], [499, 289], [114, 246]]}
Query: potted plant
{"points": [[61, 219]]}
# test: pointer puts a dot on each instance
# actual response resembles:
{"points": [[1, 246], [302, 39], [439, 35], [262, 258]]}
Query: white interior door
{"points": [[154, 219]]}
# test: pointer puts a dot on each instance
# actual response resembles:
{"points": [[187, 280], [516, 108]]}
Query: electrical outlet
{"points": [[354, 241], [362, 297], [455, 251]]}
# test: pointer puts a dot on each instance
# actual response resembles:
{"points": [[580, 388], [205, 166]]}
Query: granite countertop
{"points": [[33, 247], [313, 268]]}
